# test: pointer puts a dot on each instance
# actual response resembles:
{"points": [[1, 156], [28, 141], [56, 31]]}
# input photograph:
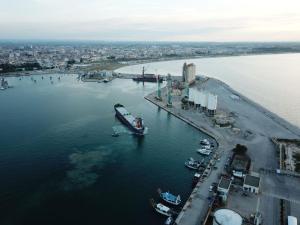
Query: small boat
{"points": [[169, 198], [205, 142], [192, 164], [169, 221], [204, 151], [115, 135], [162, 209], [196, 177]]}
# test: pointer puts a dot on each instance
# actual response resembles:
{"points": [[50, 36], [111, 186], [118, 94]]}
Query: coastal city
{"points": [[18, 58]]}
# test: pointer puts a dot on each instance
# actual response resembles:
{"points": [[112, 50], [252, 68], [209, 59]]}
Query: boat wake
{"points": [[120, 129]]}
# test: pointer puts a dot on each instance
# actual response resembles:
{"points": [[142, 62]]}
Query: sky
{"points": [[152, 20]]}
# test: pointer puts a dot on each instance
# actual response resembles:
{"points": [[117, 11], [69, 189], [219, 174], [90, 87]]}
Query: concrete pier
{"points": [[253, 126]]}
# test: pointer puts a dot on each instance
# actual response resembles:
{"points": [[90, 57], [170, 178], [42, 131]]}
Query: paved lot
{"points": [[244, 205]]}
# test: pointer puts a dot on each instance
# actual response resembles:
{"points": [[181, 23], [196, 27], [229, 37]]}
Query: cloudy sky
{"points": [[152, 20]]}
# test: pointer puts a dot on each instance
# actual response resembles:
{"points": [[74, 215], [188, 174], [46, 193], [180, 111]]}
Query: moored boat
{"points": [[204, 142], [204, 151], [162, 209], [169, 221], [135, 124], [169, 198], [192, 164]]}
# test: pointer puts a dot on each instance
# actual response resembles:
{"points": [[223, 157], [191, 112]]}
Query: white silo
{"points": [[191, 95], [227, 217], [203, 100], [197, 98], [212, 103]]}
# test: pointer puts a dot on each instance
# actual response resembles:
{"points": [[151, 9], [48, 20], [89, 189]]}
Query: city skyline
{"points": [[216, 20]]}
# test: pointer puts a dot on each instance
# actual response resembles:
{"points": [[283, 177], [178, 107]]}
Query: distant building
{"points": [[189, 73], [252, 183]]}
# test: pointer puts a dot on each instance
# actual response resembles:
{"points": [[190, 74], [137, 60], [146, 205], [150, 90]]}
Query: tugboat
{"points": [[162, 209], [135, 124], [169, 198], [192, 164]]}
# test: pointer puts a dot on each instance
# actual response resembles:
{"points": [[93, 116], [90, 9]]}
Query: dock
{"points": [[252, 126], [196, 208]]}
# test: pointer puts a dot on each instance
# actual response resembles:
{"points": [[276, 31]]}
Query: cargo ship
{"points": [[148, 78], [135, 124]]}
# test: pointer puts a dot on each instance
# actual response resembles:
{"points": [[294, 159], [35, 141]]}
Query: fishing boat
{"points": [[204, 142], [204, 151], [192, 164], [169, 198], [135, 124], [162, 209]]}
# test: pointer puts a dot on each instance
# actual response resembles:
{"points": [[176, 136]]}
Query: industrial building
{"points": [[240, 165], [227, 217], [251, 183], [223, 188], [189, 73]]}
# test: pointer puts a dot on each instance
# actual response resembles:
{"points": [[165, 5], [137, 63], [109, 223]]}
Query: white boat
{"points": [[192, 164], [206, 146], [169, 221], [204, 142], [204, 151], [162, 209]]}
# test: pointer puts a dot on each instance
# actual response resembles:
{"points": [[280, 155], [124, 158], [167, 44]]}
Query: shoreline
{"points": [[137, 62]]}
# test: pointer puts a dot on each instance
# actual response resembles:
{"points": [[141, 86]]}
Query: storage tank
{"points": [[212, 103], [197, 98], [191, 95], [292, 220], [227, 217], [203, 100]]}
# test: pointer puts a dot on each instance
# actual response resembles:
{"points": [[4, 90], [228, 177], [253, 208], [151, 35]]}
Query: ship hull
{"points": [[128, 124], [147, 79]]}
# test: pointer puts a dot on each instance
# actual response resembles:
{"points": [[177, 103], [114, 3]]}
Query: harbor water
{"points": [[270, 80], [60, 164]]}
